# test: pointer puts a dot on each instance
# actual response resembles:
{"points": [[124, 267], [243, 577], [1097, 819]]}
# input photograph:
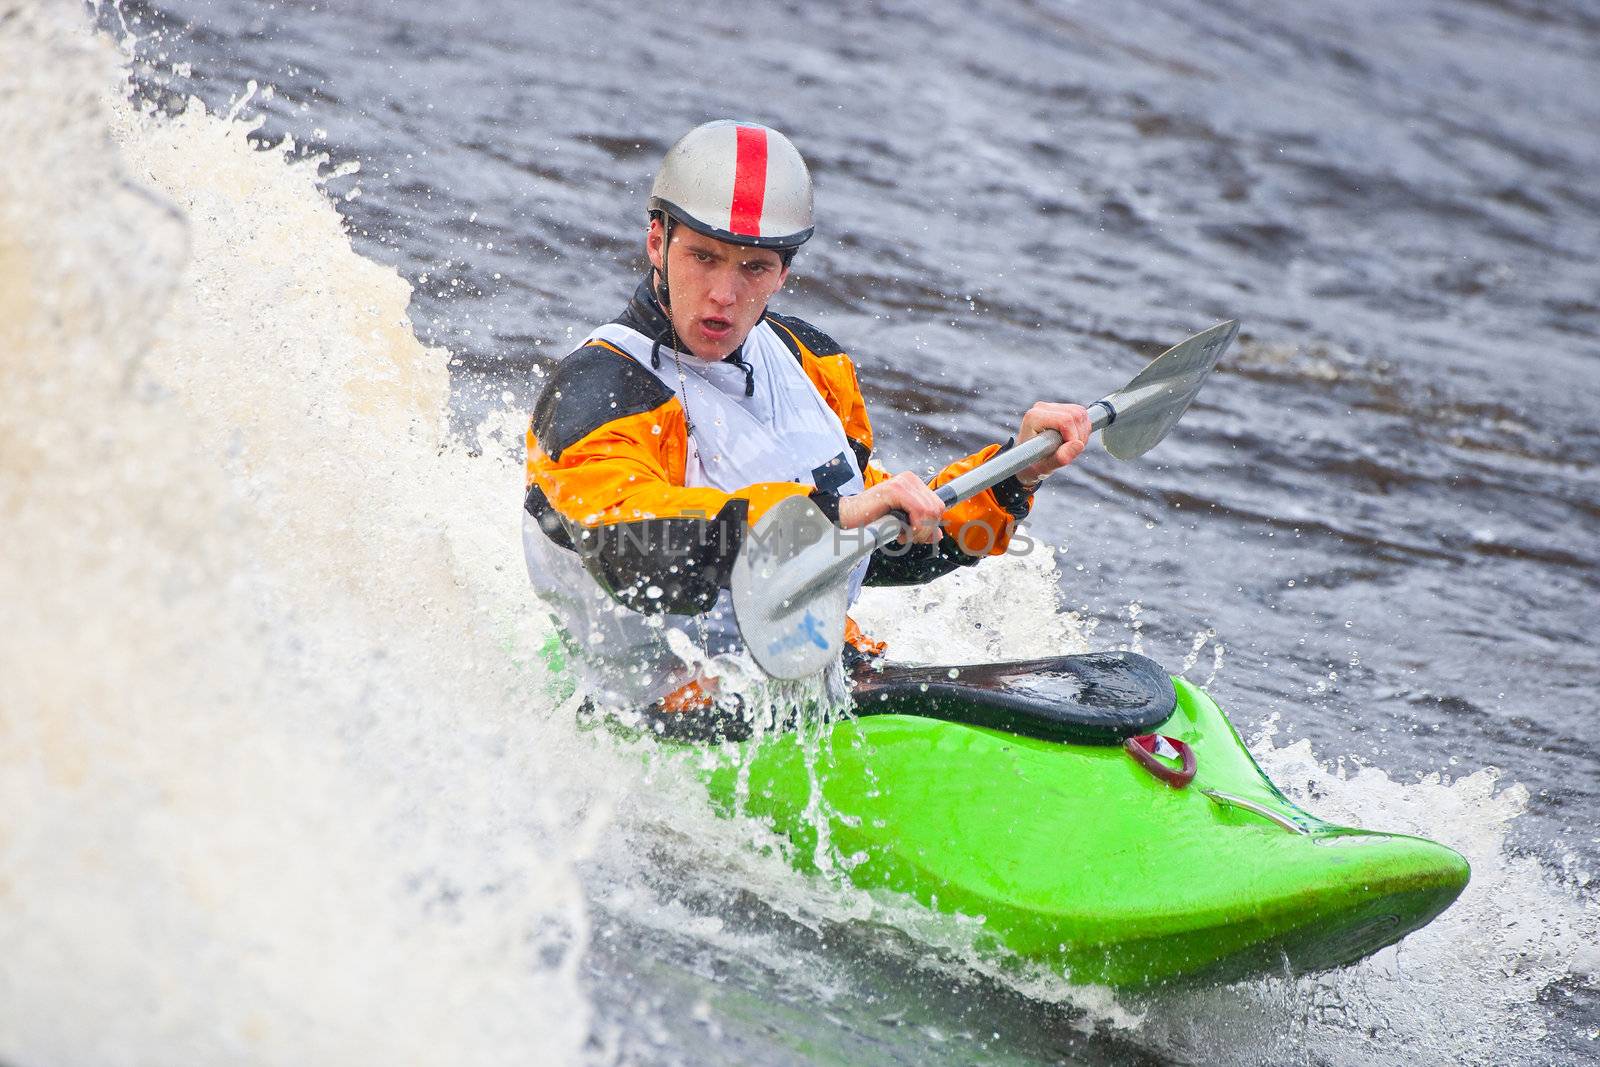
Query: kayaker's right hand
{"points": [[904, 492]]}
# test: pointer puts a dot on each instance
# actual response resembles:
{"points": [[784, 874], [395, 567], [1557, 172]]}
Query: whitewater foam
{"points": [[277, 781]]}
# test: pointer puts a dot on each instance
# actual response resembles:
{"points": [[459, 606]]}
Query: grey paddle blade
{"points": [[791, 586], [1150, 405], [791, 580]]}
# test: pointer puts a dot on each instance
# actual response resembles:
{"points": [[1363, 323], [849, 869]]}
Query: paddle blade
{"points": [[1150, 405], [799, 634]]}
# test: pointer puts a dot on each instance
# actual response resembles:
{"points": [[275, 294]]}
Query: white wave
{"points": [[1464, 989], [1004, 608], [275, 788]]}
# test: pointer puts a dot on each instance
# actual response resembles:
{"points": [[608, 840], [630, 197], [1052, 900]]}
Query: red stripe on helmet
{"points": [[749, 181]]}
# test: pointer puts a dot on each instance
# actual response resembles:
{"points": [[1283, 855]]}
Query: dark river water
{"points": [[1381, 519]]}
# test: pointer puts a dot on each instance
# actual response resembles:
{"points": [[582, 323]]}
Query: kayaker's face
{"points": [[718, 290]]}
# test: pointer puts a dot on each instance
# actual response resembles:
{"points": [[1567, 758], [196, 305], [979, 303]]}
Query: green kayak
{"points": [[1100, 817]]}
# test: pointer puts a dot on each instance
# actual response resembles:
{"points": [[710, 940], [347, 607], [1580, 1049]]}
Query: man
{"points": [[668, 432]]}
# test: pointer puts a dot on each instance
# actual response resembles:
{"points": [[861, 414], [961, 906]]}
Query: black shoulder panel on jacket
{"points": [[819, 343], [588, 389]]}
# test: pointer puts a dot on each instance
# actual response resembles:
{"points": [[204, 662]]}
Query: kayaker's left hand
{"points": [[1071, 421]]}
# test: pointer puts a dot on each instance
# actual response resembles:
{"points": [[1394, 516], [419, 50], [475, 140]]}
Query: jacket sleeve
{"points": [[607, 446], [973, 529]]}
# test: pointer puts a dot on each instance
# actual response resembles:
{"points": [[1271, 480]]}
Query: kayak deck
{"points": [[1076, 856]]}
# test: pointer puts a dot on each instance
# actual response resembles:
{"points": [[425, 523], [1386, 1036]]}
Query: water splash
{"points": [[269, 769], [1005, 609]]}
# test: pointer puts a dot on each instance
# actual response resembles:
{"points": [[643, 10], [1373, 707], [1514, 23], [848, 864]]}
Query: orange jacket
{"points": [[607, 446]]}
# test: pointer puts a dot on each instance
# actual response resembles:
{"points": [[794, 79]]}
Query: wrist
{"points": [[849, 513]]}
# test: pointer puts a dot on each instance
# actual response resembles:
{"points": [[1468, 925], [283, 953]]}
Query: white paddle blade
{"points": [[801, 633], [1151, 405]]}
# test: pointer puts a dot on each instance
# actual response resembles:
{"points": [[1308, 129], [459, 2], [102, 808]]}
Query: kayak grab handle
{"points": [[1143, 749], [1228, 800]]}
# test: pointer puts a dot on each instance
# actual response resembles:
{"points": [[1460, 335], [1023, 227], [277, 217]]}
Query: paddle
{"points": [[791, 579]]}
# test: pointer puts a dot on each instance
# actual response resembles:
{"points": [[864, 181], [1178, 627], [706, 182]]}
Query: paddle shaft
{"points": [[791, 579], [1012, 461], [881, 531]]}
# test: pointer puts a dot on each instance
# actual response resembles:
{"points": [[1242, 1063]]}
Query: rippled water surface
{"points": [[1378, 531]]}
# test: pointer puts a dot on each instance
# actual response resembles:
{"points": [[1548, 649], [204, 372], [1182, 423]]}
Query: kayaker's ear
{"points": [[656, 243]]}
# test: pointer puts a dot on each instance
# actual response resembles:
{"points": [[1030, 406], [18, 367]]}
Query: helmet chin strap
{"points": [[663, 294]]}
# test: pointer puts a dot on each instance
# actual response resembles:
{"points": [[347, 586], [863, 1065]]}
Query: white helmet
{"points": [[737, 182]]}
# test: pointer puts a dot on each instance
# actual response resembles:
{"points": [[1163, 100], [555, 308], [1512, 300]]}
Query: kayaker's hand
{"points": [[1071, 421], [904, 492]]}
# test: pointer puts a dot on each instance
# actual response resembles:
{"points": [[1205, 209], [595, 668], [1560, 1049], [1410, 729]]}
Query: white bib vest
{"points": [[783, 433]]}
